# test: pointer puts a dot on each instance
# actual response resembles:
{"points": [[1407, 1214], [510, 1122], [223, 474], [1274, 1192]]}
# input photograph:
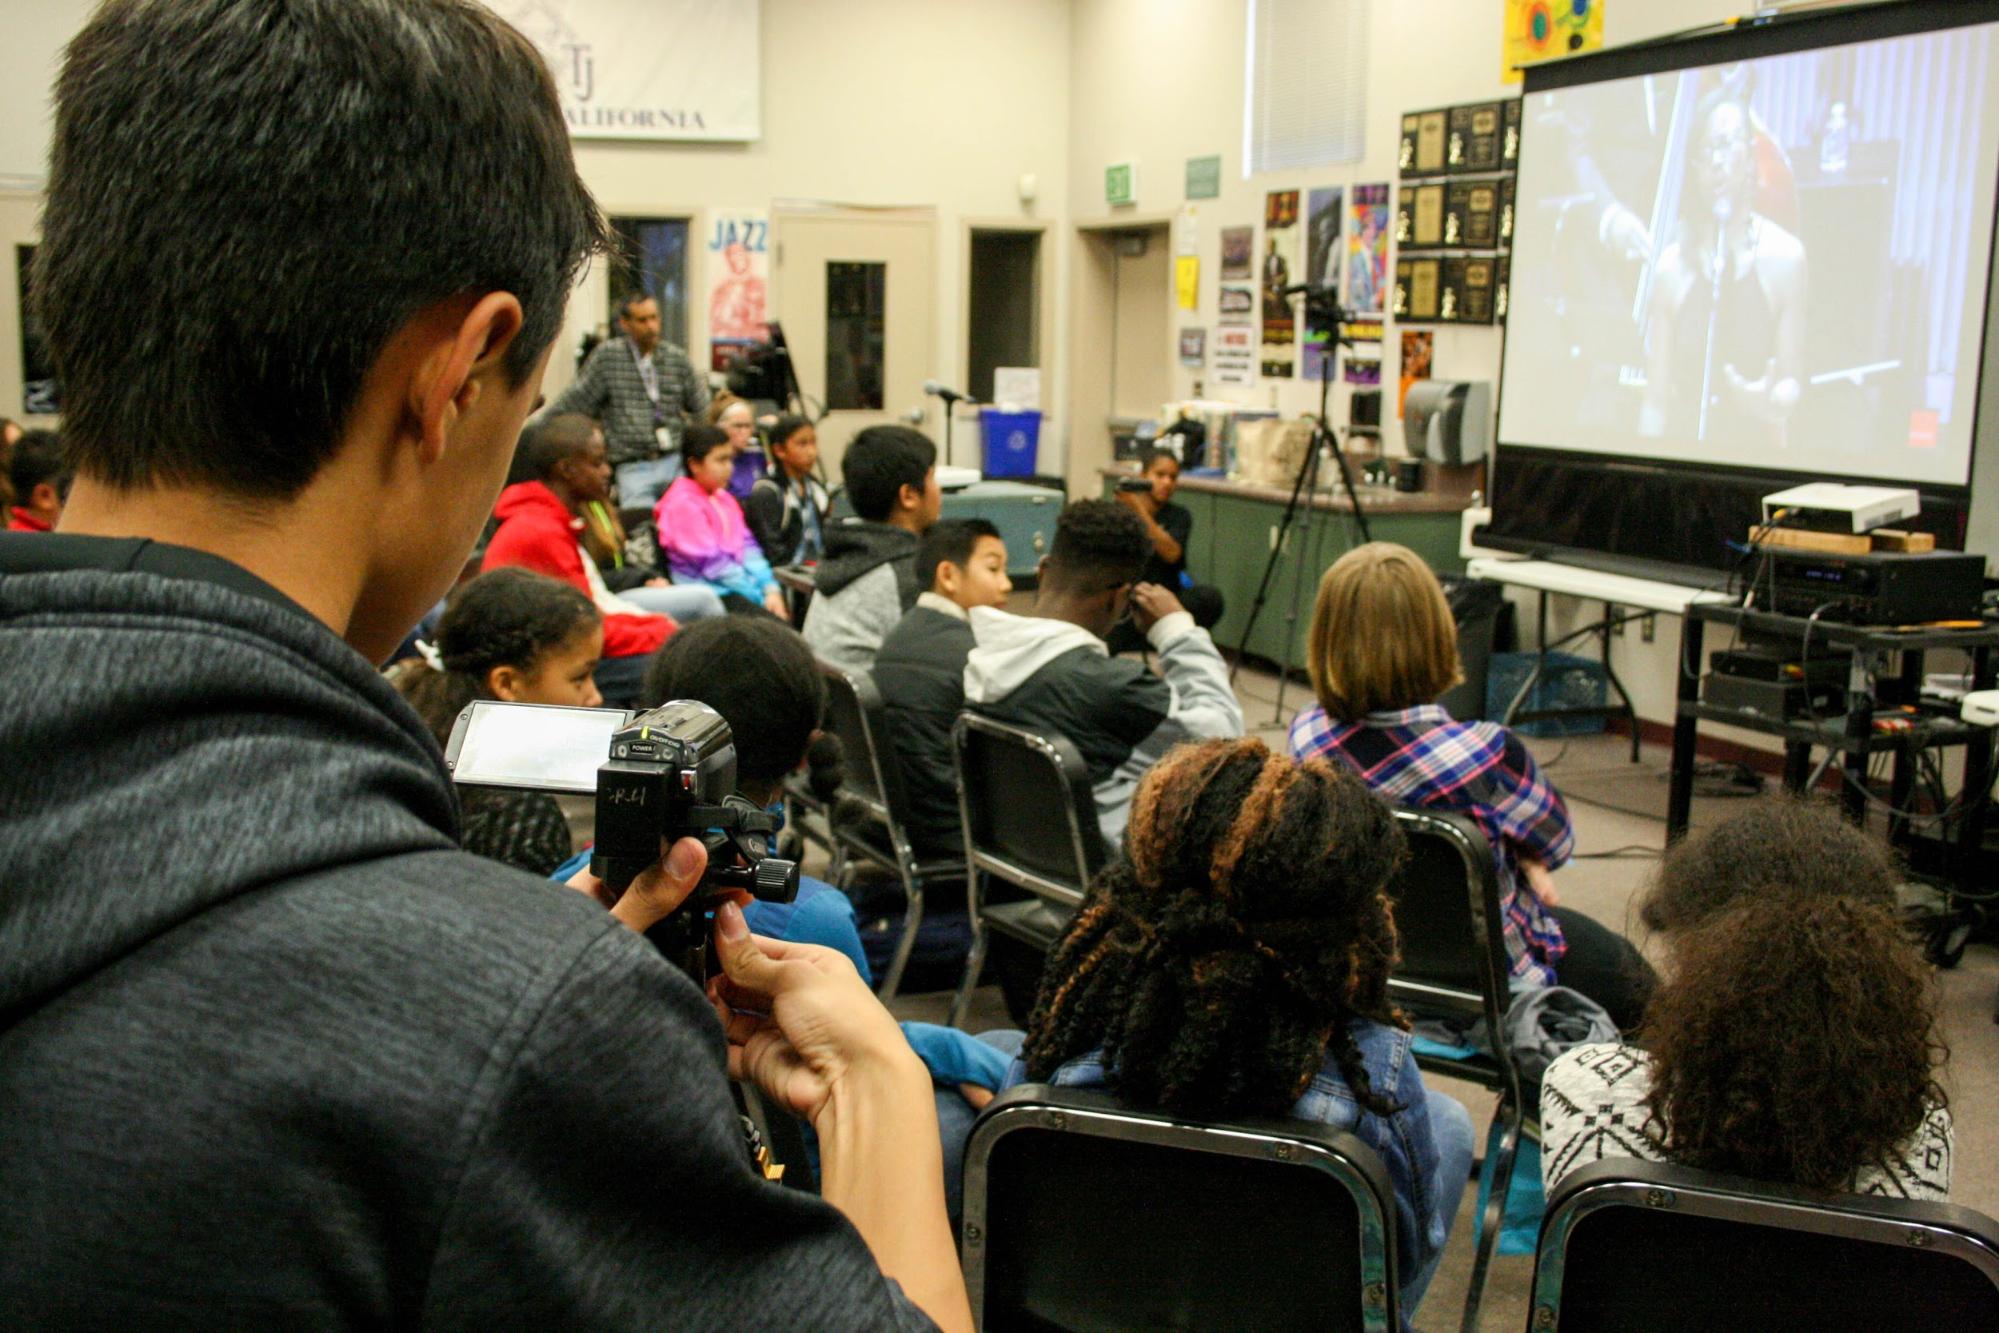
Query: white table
{"points": [[1646, 596]]}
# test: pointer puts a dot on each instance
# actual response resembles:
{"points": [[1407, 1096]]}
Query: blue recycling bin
{"points": [[1011, 439]]}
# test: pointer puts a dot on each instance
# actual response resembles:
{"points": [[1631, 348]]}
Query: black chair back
{"points": [[855, 713], [1083, 1213], [1648, 1245], [1447, 914], [1029, 814]]}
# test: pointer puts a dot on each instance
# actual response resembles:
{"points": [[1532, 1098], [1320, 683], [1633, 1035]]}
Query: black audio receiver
{"points": [[1879, 588]]}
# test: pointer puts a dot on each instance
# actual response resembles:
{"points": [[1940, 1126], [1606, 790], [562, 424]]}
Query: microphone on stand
{"points": [[951, 397]]}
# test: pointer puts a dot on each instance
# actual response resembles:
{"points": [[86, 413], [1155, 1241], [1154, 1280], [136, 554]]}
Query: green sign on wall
{"points": [[1120, 184], [1204, 177]]}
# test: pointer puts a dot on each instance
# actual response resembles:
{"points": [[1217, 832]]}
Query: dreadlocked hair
{"points": [[1228, 950], [506, 617]]}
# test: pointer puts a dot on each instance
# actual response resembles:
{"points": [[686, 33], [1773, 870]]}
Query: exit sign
{"points": [[1121, 184]]}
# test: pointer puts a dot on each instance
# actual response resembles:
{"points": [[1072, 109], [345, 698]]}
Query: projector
{"points": [[1826, 506]]}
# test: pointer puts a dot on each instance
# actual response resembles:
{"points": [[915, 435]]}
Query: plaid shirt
{"points": [[610, 388], [1422, 757]]}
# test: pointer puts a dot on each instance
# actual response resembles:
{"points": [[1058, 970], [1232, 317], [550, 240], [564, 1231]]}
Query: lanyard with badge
{"points": [[649, 381]]}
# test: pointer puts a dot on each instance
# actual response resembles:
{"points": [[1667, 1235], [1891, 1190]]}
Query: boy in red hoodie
{"points": [[541, 529]]}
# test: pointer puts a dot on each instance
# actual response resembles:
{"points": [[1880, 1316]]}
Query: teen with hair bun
{"points": [[1234, 960]]}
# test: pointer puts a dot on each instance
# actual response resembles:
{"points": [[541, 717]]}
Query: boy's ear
{"points": [[908, 497]]}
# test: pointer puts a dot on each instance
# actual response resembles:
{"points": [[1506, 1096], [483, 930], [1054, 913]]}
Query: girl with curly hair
{"points": [[1235, 960], [1793, 1038]]}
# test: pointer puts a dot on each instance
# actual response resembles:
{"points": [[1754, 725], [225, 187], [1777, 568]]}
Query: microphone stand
{"points": [[1324, 303]]}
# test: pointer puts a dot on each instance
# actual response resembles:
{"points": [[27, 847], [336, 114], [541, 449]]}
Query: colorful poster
{"points": [[738, 283], [1324, 219], [1187, 281], [1238, 250], [1417, 346], [1235, 303], [1362, 370], [1235, 355], [1193, 347], [1367, 250], [1278, 352], [1538, 30]]}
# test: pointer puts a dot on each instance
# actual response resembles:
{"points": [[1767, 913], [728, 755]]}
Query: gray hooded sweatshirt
{"points": [[274, 1052], [1055, 678]]}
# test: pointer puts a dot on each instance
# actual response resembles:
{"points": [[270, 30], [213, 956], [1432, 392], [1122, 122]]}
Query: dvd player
{"points": [[1880, 588]]}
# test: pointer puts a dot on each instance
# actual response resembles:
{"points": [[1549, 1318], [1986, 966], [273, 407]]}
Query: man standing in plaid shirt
{"points": [[643, 391]]}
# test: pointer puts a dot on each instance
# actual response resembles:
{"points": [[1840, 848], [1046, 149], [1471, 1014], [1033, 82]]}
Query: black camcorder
{"points": [[658, 776], [1135, 485]]}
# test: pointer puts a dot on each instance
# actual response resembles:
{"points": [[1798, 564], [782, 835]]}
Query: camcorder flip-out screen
{"points": [[541, 747]]}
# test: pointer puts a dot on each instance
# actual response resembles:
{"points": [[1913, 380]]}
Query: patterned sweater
{"points": [[1593, 1107]]}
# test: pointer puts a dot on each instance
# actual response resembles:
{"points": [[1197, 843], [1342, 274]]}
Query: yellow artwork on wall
{"points": [[1538, 30]]}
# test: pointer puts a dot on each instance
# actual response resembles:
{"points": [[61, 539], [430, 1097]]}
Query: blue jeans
{"points": [[954, 1124], [683, 601], [643, 482], [1450, 1128]]}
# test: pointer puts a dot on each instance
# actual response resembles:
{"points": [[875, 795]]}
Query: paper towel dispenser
{"points": [[1448, 421]]}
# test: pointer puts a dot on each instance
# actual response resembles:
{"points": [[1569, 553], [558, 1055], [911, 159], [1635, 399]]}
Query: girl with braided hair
{"points": [[1235, 960], [521, 637]]}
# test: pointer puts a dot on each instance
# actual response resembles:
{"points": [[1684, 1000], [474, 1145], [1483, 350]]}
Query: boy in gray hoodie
{"points": [[1050, 672], [867, 579]]}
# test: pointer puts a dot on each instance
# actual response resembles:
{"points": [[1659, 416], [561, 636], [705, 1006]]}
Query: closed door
{"points": [[857, 296]]}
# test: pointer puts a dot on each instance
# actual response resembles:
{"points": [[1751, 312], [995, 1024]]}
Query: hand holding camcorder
{"points": [[658, 776]]}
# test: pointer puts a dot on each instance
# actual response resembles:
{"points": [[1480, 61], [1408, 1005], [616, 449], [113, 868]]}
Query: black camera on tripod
{"points": [[658, 776]]}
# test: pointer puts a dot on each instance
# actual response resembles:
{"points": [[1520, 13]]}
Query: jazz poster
{"points": [[1323, 253], [738, 272], [1238, 252], [1278, 350], [1366, 275]]}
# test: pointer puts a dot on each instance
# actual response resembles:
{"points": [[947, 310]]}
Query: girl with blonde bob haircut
{"points": [[1384, 647]]}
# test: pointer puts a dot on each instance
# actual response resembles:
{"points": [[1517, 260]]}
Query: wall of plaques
{"points": [[1454, 213]]}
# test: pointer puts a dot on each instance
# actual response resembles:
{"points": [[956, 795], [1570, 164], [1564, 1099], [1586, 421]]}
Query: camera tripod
{"points": [[1322, 304]]}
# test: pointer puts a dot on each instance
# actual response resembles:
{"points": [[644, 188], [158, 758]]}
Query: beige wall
{"points": [[933, 103], [1160, 81]]}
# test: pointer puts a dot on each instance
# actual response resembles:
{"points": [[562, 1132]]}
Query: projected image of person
{"points": [[1725, 327]]}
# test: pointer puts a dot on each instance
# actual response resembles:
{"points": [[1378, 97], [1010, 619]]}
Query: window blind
{"points": [[1306, 81]]}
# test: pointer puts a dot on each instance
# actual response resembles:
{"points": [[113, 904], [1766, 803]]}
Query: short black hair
{"points": [[954, 540], [309, 176], [880, 462], [547, 445], [758, 674], [630, 299], [700, 441], [1098, 544], [787, 426], [37, 458]]}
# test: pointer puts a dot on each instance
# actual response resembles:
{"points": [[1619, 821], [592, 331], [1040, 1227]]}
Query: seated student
{"points": [[867, 580], [539, 525], [40, 480], [521, 637], [1234, 960], [920, 672], [737, 418], [277, 1051], [1050, 673], [1168, 527], [761, 678], [1793, 1038], [786, 509], [1383, 647], [701, 529]]}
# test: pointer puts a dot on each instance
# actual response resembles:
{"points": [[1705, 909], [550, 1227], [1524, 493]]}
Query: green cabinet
{"points": [[1235, 534]]}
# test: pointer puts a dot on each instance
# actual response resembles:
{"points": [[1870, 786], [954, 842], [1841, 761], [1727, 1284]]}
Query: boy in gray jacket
{"points": [[867, 579], [1050, 672]]}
